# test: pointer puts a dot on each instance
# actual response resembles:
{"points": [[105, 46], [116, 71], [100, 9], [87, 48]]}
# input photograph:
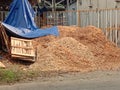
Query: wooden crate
{"points": [[22, 49]]}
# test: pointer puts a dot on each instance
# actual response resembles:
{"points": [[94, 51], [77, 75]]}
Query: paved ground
{"points": [[75, 81]]}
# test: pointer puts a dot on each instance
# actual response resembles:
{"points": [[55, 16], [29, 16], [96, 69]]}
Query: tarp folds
{"points": [[20, 21], [27, 33]]}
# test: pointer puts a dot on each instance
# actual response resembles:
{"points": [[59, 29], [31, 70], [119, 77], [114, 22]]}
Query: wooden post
{"points": [[77, 12], [68, 5], [78, 20], [5, 39], [116, 26]]}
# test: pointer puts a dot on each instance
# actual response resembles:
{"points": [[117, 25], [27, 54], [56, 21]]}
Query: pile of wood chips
{"points": [[76, 49]]}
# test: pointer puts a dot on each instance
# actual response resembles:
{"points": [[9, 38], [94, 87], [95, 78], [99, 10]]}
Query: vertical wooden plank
{"points": [[116, 26], [98, 12], [78, 20], [110, 25]]}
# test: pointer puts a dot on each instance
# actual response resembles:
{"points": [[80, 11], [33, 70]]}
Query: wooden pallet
{"points": [[22, 49]]}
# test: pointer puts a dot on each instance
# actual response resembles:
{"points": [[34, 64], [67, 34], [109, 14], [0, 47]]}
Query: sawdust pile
{"points": [[76, 49]]}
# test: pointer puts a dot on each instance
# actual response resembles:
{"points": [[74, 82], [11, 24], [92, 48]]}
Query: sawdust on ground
{"points": [[76, 49]]}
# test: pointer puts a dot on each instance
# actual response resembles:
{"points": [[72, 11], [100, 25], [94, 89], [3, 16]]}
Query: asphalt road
{"points": [[87, 81]]}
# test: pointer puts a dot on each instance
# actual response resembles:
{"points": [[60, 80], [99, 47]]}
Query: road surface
{"points": [[109, 80]]}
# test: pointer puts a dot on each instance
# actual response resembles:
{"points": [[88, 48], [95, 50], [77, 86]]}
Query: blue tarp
{"points": [[20, 21]]}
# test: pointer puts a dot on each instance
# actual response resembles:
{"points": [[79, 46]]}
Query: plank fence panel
{"points": [[106, 19]]}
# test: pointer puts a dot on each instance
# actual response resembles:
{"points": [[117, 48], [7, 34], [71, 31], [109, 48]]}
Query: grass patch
{"points": [[11, 76], [8, 76]]}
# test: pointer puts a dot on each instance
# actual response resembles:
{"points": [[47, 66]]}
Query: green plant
{"points": [[7, 75]]}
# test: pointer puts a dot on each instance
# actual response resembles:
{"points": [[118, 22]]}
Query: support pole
{"points": [[78, 14], [53, 5], [68, 4]]}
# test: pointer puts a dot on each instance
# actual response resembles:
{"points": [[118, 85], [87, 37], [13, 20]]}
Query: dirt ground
{"points": [[98, 80], [75, 49]]}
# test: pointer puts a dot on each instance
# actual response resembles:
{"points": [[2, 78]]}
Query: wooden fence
{"points": [[106, 19]]}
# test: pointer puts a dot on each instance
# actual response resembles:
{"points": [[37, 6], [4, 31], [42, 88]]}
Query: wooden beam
{"points": [[47, 2], [60, 2]]}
